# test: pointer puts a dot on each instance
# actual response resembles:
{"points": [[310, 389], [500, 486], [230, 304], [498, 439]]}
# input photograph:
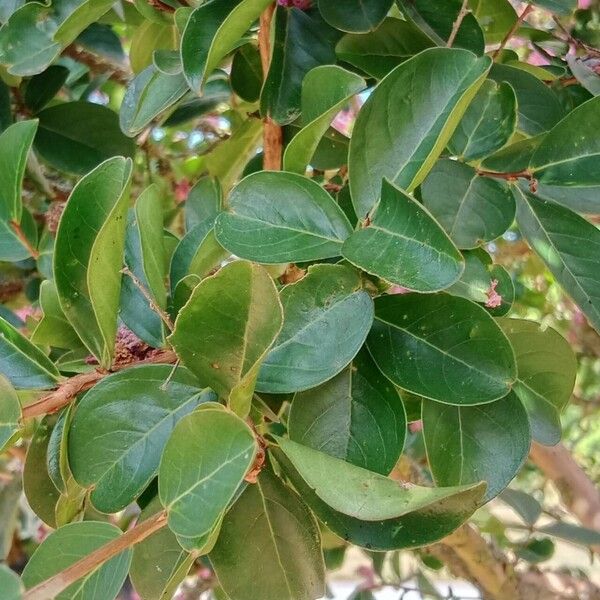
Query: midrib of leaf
{"points": [[17, 351], [274, 539], [444, 352]]}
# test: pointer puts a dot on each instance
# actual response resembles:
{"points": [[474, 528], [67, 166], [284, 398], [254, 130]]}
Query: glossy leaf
{"points": [[272, 519], [246, 73], [472, 209], [12, 248], [213, 31], [203, 465], [525, 505], [88, 255], [441, 347], [77, 136], [303, 41], [326, 319], [585, 74], [240, 316], [15, 142], [563, 7], [437, 20], [572, 533], [570, 154], [67, 545], [538, 106], [495, 17], [378, 52], [513, 158], [467, 444], [401, 139], [159, 563], [403, 244], [278, 217], [488, 124], [121, 427], [150, 94], [568, 245], [43, 87], [356, 416], [10, 584], [204, 200], [356, 16], [546, 375], [325, 90], [40, 491], [370, 510], [10, 412], [22, 363], [53, 329]]}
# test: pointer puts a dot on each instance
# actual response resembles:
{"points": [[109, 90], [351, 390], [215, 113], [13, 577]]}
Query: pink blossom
{"points": [[301, 4], [416, 426], [494, 298]]}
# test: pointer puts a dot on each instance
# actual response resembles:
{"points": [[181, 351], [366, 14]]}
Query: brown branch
{"points": [[16, 227], [462, 13], [513, 176], [578, 493], [272, 133], [67, 391], [49, 589], [512, 30], [97, 64]]}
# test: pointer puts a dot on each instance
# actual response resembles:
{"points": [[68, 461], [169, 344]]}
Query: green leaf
{"points": [[488, 124], [66, 546], [246, 73], [378, 52], [526, 506], [547, 368], [43, 87], [88, 255], [513, 158], [441, 347], [197, 253], [355, 16], [15, 142], [10, 584], [326, 319], [240, 316], [437, 20], [325, 90], [204, 200], [271, 517], [570, 154], [77, 136], [201, 469], [572, 533], [538, 106], [53, 329], [23, 363], [121, 427], [279, 217], [370, 510], [40, 491], [229, 158], [585, 74], [356, 416], [496, 18], [403, 244], [403, 127], [12, 248], [535, 550], [10, 412], [568, 244], [480, 279], [159, 563], [303, 41], [151, 93], [584, 200], [467, 444], [472, 209], [149, 38], [213, 31]]}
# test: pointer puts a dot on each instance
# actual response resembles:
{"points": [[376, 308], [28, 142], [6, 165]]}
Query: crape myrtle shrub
{"points": [[256, 334]]}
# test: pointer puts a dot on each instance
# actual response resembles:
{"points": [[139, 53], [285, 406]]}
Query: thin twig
{"points": [[512, 30], [50, 588], [96, 64], [462, 13], [16, 227], [512, 176], [573, 40], [68, 390], [272, 133], [157, 309]]}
